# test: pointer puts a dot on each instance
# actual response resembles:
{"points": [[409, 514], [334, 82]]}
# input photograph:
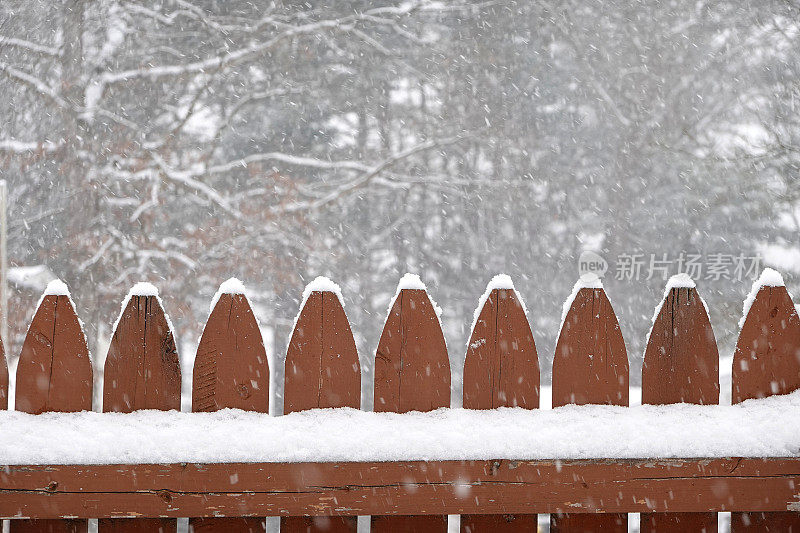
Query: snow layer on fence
{"points": [[767, 427]]}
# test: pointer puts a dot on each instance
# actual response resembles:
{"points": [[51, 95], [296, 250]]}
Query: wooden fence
{"points": [[411, 373]]}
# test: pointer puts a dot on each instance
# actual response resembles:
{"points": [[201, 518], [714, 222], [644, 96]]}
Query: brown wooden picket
{"points": [[142, 371], [322, 370], [3, 378], [501, 369], [766, 363], [230, 371], [590, 366], [412, 373], [54, 373], [681, 364]]}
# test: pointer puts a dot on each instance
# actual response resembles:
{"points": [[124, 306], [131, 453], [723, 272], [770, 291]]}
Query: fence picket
{"points": [[590, 366], [681, 364], [322, 370], [412, 373], [3, 378], [142, 371], [501, 369], [230, 371], [765, 363], [54, 373]]}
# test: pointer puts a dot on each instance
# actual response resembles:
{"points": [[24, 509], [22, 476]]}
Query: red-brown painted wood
{"points": [[322, 367], [54, 373], [412, 373], [681, 364], [401, 488], [142, 371], [50, 526], [322, 370], [501, 369], [590, 366], [230, 370], [3, 378], [765, 363]]}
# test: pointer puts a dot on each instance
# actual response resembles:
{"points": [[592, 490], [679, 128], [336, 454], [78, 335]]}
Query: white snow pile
{"points": [[230, 286], [586, 281], [768, 427], [768, 278], [56, 288], [500, 281]]}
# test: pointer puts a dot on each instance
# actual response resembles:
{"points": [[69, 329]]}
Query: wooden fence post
{"points": [[3, 378], [54, 373], [590, 366], [412, 373], [230, 371], [766, 363], [322, 370], [142, 371], [681, 365], [501, 369]]}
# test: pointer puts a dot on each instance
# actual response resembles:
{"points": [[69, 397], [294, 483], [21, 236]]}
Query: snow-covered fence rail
{"points": [[414, 489]]}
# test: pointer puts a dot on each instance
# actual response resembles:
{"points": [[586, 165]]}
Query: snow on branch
{"points": [[30, 46]]}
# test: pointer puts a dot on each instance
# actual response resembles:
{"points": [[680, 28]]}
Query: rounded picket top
{"points": [[412, 370], [54, 372], [231, 369], [142, 370], [681, 360], [590, 365], [501, 367], [322, 368], [766, 361], [3, 378]]}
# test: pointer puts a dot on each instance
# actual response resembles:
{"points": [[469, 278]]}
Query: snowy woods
{"points": [[182, 142]]}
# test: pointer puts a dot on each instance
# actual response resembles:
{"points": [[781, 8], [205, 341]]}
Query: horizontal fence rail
{"points": [[401, 488], [412, 373]]}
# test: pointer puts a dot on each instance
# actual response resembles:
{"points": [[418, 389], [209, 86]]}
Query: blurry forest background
{"points": [[186, 141]]}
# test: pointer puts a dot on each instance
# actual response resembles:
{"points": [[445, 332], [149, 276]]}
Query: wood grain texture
{"points": [[501, 369], [412, 370], [54, 373], [50, 526], [322, 370], [401, 488], [322, 367], [412, 373], [681, 364], [3, 378], [766, 360], [231, 368], [230, 371], [142, 371], [765, 363], [590, 366]]}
